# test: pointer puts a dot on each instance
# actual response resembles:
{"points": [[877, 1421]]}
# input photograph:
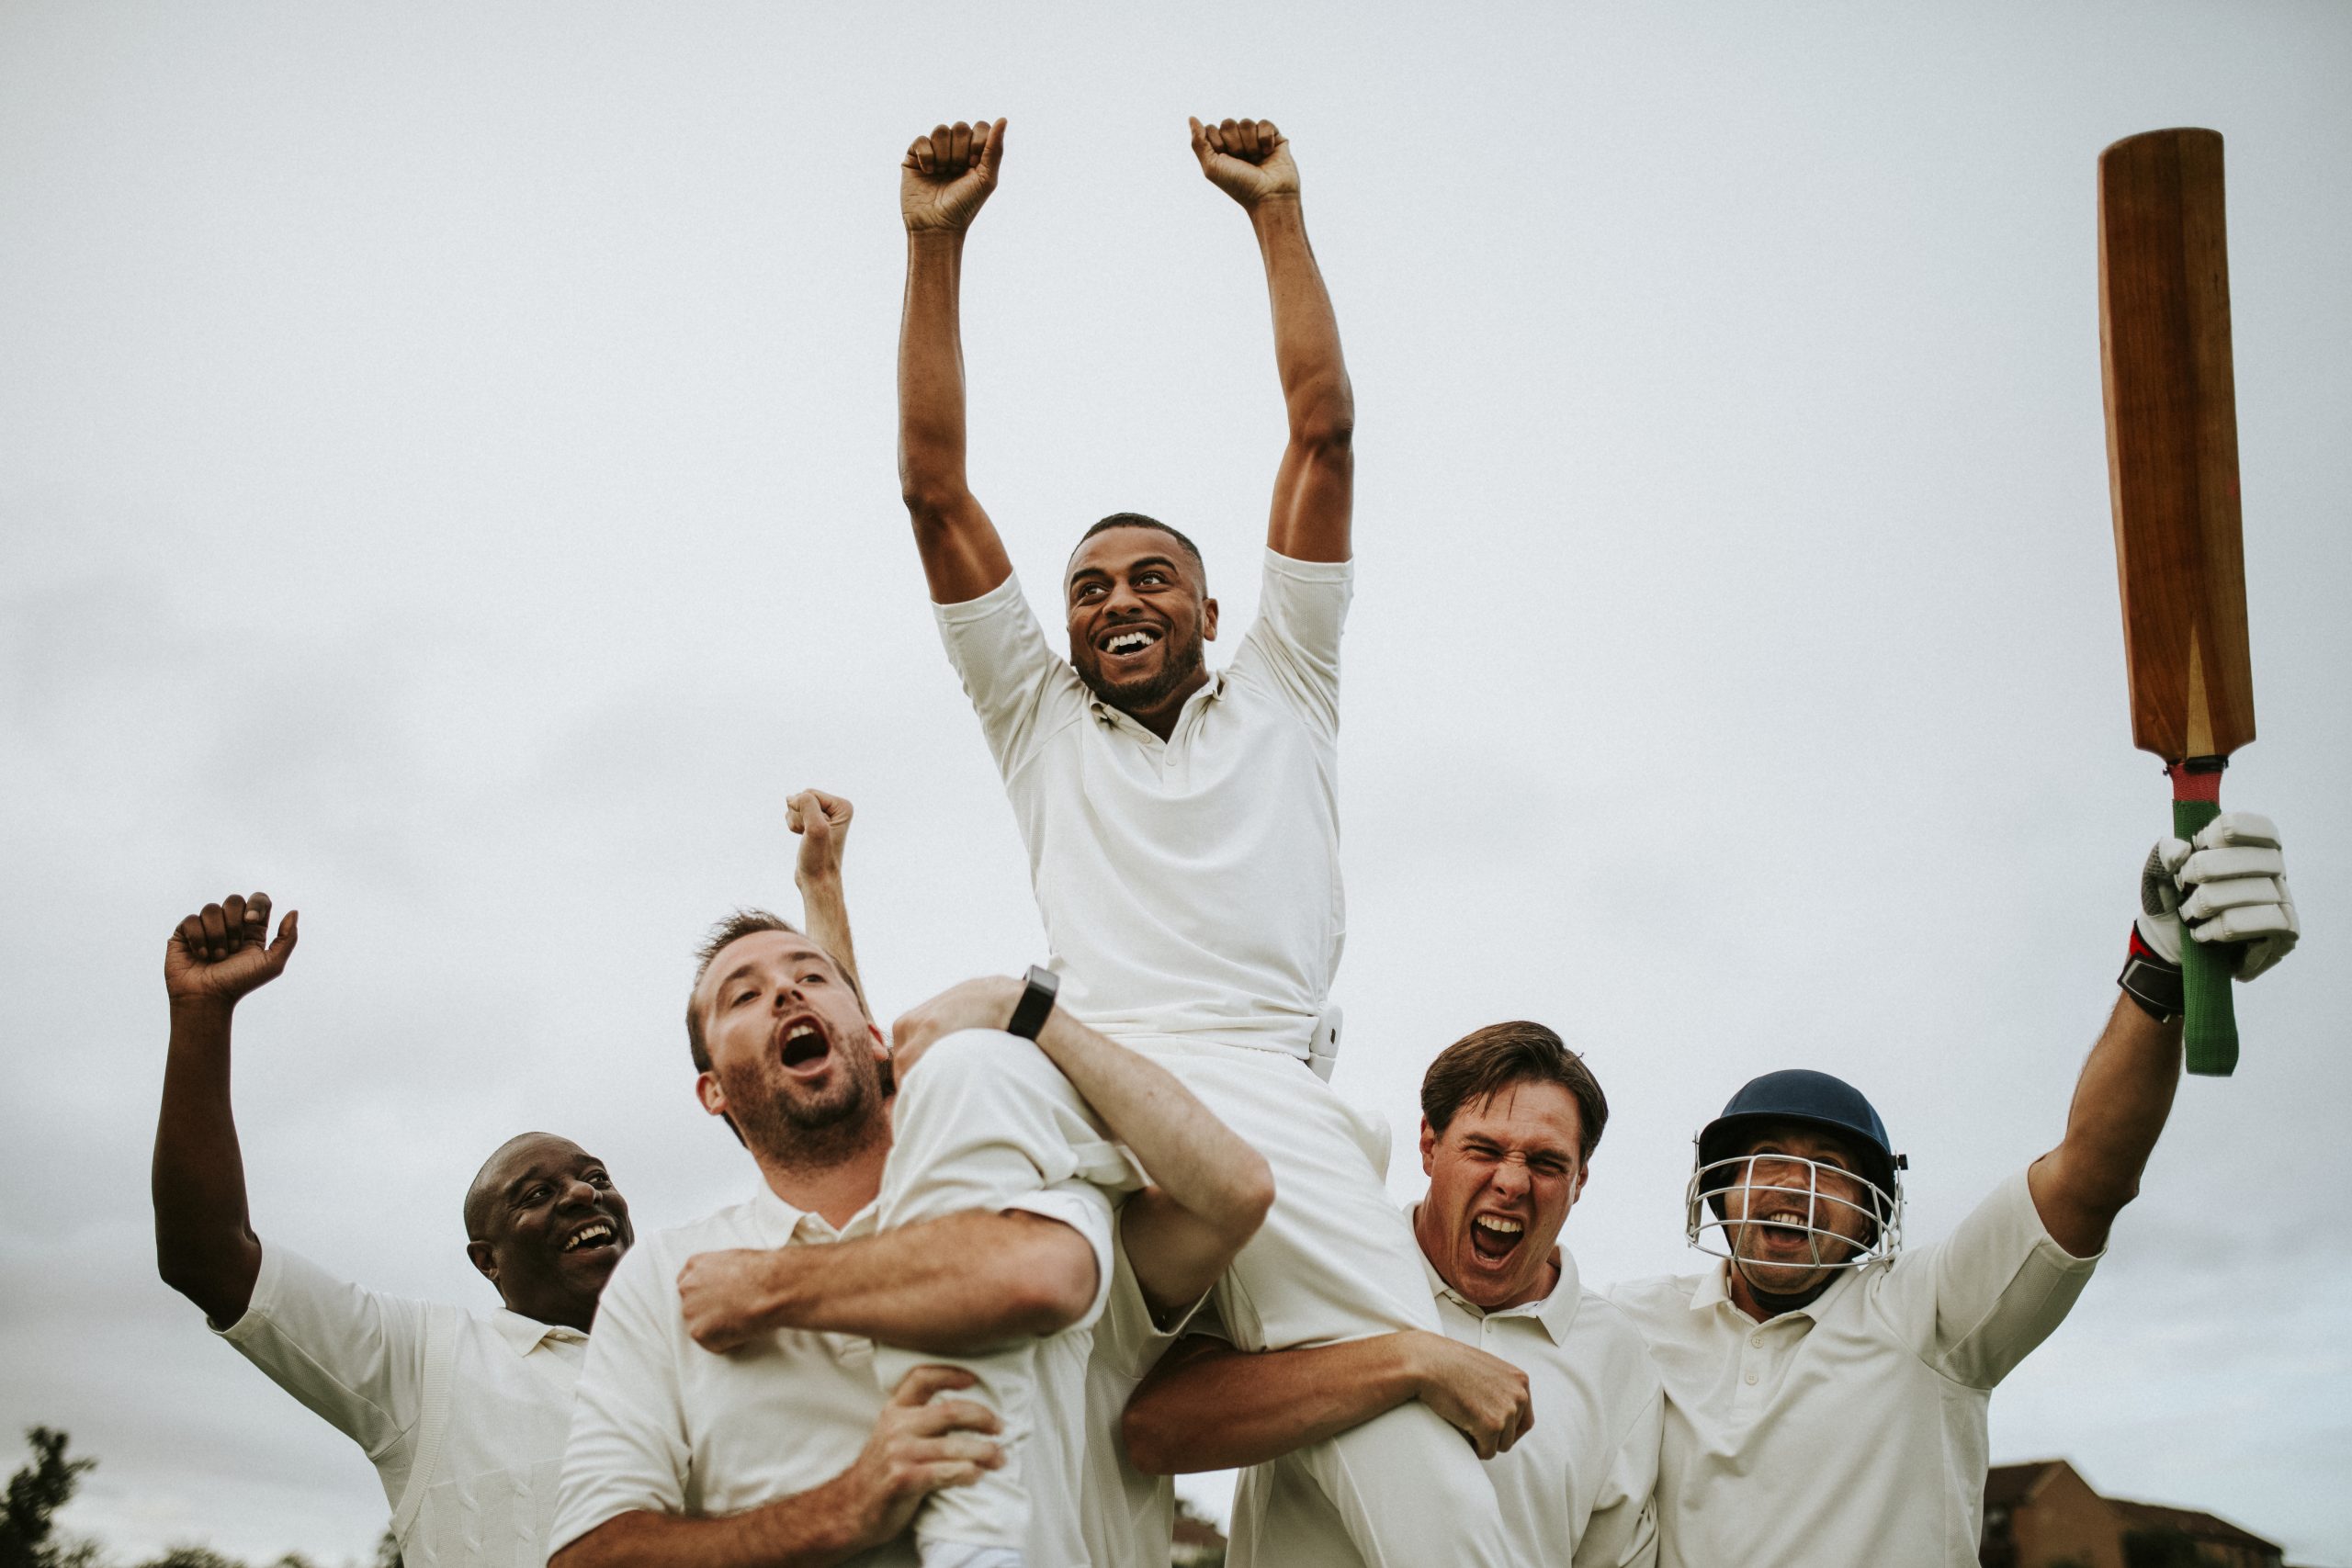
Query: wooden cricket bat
{"points": [[2172, 453]]}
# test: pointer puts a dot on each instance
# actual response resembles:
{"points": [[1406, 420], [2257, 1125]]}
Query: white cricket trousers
{"points": [[1335, 1260], [982, 1121]]}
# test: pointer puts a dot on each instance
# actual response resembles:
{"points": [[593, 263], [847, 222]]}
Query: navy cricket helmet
{"points": [[1808, 1100]]}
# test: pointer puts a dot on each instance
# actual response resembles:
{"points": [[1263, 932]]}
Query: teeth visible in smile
{"points": [[1127, 642], [599, 1231], [1499, 1227]]}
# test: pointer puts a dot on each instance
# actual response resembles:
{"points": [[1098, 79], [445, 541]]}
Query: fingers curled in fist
{"points": [[947, 174], [225, 950], [1251, 141]]}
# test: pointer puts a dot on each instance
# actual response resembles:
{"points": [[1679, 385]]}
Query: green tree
{"points": [[28, 1514]]}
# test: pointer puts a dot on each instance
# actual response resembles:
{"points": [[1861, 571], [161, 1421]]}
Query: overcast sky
{"points": [[446, 480]]}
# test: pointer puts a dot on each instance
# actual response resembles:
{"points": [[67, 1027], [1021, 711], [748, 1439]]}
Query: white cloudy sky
{"points": [[445, 463]]}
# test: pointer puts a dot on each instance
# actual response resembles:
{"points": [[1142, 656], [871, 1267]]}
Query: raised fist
{"points": [[822, 822], [1247, 159], [224, 949], [947, 174]]}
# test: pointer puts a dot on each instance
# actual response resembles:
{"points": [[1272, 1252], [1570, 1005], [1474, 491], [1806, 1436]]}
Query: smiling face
{"points": [[1138, 615], [1503, 1175], [1779, 1207], [546, 1225], [794, 1063]]}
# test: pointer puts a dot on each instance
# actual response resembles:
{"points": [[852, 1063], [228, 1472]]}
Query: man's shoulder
{"points": [[1652, 1300], [658, 1255]]}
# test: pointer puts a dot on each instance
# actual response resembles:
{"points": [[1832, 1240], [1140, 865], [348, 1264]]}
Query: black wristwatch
{"points": [[1037, 1003]]}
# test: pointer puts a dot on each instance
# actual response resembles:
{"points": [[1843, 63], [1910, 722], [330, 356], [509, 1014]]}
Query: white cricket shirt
{"points": [[1128, 1519], [1189, 886], [359, 1360], [1578, 1489], [665, 1427], [1851, 1430]]}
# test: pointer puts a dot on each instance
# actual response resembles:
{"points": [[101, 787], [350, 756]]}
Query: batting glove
{"points": [[2229, 884]]}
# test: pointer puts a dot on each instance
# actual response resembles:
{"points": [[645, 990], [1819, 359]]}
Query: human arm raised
{"points": [[822, 822], [1208, 1407], [943, 181], [1314, 488], [205, 1246], [2229, 884], [919, 1445], [1209, 1189]]}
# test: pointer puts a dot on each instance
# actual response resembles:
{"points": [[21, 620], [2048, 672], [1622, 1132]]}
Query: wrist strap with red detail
{"points": [[2152, 980]]}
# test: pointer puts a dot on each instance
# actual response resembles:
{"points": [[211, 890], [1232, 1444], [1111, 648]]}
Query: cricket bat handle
{"points": [[2209, 1021]]}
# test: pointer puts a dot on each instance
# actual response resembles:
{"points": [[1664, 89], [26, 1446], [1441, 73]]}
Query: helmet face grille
{"points": [[1805, 1198]]}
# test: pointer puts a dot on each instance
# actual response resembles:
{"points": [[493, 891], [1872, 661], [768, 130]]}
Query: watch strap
{"points": [[1037, 1003], [2152, 981]]}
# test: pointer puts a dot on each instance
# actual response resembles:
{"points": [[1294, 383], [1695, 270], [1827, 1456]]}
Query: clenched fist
{"points": [[224, 950], [1247, 159], [822, 822], [948, 174]]}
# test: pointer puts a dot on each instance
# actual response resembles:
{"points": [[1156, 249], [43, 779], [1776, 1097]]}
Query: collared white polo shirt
{"points": [[1578, 1489], [1189, 886], [359, 1359], [664, 1425], [1851, 1430]]}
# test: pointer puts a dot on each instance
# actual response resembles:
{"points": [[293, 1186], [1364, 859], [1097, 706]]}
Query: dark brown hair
{"points": [[1487, 1061], [740, 924]]}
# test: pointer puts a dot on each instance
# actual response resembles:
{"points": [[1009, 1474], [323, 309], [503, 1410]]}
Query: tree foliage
{"points": [[28, 1514]]}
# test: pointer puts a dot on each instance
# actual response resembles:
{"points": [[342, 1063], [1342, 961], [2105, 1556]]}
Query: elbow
{"points": [[1147, 1441], [1253, 1198], [1053, 1289], [1323, 420]]}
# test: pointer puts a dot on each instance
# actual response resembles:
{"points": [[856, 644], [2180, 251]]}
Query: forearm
{"points": [[1316, 394], [810, 1530], [930, 372], [824, 905], [1222, 1409], [205, 1247], [1199, 1162], [2120, 1104], [960, 1285]]}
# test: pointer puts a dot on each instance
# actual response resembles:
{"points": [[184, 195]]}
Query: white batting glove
{"points": [[2230, 884]]}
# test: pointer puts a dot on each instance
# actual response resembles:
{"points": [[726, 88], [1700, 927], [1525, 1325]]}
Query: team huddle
{"points": [[1007, 1267]]}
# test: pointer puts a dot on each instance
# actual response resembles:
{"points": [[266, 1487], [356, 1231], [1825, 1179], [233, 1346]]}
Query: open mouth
{"points": [[1787, 1227], [1128, 641], [594, 1236], [1494, 1239], [805, 1045]]}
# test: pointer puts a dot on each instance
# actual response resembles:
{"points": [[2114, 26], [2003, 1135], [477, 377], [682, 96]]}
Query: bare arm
{"points": [[205, 1246], [822, 822], [919, 1445], [954, 1286], [1314, 488], [2120, 1103], [1210, 1189], [1208, 1407], [941, 184]]}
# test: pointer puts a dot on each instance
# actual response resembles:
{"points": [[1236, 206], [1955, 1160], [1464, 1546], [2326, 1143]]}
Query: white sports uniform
{"points": [[1128, 1518], [1850, 1430], [463, 1414], [661, 1426], [1191, 896], [1576, 1490]]}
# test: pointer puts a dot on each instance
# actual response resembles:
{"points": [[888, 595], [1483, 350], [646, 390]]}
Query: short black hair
{"points": [[1137, 519]]}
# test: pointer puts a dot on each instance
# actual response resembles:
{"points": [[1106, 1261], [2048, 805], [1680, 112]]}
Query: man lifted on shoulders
{"points": [[1183, 824]]}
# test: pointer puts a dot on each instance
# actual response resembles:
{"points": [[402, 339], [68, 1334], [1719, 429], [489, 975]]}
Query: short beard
{"points": [[810, 1135], [1152, 693]]}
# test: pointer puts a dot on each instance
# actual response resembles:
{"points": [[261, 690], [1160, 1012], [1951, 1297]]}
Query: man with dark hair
{"points": [[1825, 1390], [1510, 1119], [463, 1414], [1183, 823], [754, 1396]]}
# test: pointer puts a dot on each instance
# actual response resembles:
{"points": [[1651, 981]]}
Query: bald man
{"points": [[463, 1414]]}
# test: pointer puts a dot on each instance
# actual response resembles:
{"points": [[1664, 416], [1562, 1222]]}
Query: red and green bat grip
{"points": [[2208, 1022]]}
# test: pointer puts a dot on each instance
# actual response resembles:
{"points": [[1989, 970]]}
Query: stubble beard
{"points": [[811, 1132], [1152, 692]]}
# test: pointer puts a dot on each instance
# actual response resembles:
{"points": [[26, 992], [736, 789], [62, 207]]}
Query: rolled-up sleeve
{"points": [[1086, 1208], [1021, 690], [353, 1357], [1294, 645], [2001, 1285], [628, 1450]]}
